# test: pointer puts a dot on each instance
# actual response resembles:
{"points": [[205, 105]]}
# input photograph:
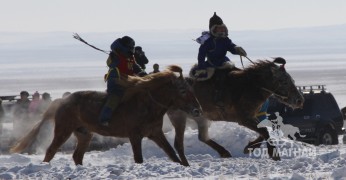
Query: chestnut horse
{"points": [[140, 114], [245, 91]]}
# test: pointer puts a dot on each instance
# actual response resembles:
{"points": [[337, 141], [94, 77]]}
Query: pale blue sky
{"points": [[115, 15]]}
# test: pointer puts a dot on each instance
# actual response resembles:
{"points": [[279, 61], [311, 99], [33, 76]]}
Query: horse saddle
{"points": [[205, 74]]}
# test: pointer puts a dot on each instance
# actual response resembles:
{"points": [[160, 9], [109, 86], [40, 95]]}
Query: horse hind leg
{"points": [[203, 136], [61, 134], [83, 140], [160, 139]]}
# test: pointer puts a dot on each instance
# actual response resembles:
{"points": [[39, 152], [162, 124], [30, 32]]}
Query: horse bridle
{"points": [[274, 91]]}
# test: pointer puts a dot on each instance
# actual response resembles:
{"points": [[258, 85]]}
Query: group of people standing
{"points": [[24, 111], [124, 59]]}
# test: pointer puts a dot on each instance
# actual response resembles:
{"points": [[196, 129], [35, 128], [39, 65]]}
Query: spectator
{"points": [[21, 114], [22, 104], [2, 115], [156, 68], [66, 94], [34, 105], [44, 103], [140, 57]]}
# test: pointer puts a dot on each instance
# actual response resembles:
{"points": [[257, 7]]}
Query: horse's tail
{"points": [[26, 141]]}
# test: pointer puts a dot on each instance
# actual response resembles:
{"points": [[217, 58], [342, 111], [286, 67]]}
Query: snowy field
{"points": [[35, 62], [327, 162]]}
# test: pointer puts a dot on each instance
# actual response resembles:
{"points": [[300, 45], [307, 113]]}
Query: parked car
{"points": [[320, 119]]}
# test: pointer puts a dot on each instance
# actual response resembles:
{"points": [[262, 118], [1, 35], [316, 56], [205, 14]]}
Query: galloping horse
{"points": [[140, 114], [245, 91]]}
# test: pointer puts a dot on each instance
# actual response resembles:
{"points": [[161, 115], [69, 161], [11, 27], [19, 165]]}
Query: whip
{"points": [[76, 36]]}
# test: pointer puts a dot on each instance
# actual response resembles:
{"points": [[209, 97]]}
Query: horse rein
{"points": [[273, 92], [241, 60]]}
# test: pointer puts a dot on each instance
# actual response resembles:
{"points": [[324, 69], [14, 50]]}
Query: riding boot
{"points": [[111, 104]]}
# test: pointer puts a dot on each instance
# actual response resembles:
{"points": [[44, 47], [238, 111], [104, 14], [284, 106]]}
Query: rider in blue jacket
{"points": [[212, 52], [216, 44]]}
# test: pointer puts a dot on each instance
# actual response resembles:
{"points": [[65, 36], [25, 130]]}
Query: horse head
{"points": [[184, 98], [282, 86]]}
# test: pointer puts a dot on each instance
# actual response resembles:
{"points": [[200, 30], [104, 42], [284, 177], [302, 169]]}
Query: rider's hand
{"points": [[240, 51]]}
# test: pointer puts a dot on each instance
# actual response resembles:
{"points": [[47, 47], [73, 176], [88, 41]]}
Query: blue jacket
{"points": [[215, 49]]}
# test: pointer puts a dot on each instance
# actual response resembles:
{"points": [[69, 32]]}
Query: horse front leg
{"points": [[159, 138], [136, 143], [203, 135], [272, 150], [178, 120], [253, 144]]}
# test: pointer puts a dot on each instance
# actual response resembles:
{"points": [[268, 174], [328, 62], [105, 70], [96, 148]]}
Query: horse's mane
{"points": [[256, 67], [135, 84]]}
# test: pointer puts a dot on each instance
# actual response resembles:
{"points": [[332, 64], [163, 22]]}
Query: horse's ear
{"points": [[279, 60]]}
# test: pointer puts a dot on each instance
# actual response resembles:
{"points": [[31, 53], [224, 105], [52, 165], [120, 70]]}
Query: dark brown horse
{"points": [[140, 114], [245, 92]]}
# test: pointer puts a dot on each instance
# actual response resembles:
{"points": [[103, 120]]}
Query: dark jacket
{"points": [[215, 49], [141, 59], [120, 64]]}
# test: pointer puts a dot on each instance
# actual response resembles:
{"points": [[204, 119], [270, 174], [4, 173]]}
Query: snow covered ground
{"points": [[328, 162]]}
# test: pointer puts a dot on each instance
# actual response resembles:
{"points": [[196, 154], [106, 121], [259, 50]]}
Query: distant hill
{"points": [[173, 43]]}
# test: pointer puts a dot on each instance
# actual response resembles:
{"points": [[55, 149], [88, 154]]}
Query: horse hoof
{"points": [[276, 158], [185, 164], [226, 155], [246, 150]]}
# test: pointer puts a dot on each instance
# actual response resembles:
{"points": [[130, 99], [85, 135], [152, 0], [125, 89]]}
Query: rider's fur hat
{"points": [[215, 20]]}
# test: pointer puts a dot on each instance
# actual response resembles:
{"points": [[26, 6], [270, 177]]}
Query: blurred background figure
{"points": [[20, 114], [140, 57], [35, 102], [2, 115], [44, 103], [156, 68], [66, 94]]}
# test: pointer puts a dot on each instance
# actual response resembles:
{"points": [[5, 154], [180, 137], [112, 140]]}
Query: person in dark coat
{"points": [[155, 68], [121, 62], [2, 116], [140, 57], [22, 104]]}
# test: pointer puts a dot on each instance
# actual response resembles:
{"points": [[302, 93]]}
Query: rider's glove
{"points": [[240, 51]]}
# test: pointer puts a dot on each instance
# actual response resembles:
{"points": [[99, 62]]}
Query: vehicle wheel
{"points": [[328, 137]]}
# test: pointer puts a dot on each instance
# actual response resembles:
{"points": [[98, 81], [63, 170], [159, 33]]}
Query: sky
{"points": [[116, 15]]}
